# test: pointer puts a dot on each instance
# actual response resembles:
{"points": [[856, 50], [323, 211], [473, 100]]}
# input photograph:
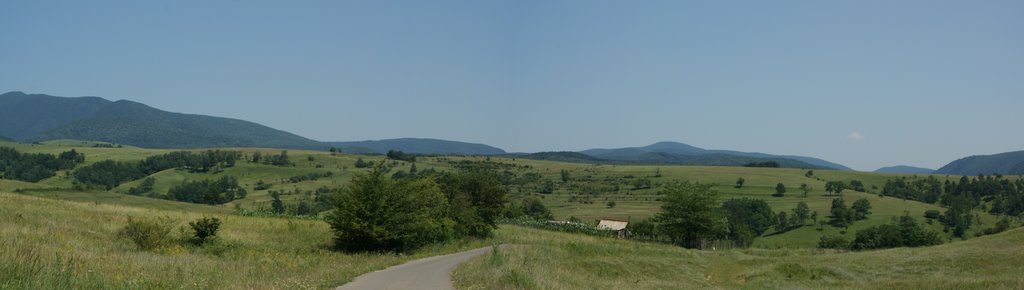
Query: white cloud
{"points": [[855, 136]]}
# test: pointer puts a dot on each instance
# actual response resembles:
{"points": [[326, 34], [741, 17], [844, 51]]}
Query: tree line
{"points": [[108, 174], [33, 167], [993, 193]]}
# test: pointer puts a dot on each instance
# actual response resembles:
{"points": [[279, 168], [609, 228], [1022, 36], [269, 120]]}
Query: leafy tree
{"points": [[689, 214], [535, 209], [643, 229], [476, 198], [805, 188], [856, 185], [958, 216], [547, 186], [205, 229], [861, 209], [276, 204], [780, 190], [611, 204], [801, 213], [740, 182], [565, 175], [783, 222], [814, 217], [841, 215], [748, 219], [835, 187], [413, 215], [362, 164]]}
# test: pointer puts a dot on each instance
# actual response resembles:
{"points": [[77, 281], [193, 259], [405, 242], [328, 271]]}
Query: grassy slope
{"points": [[59, 244], [550, 260]]}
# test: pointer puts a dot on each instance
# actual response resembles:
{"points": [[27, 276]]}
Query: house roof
{"points": [[612, 225]]}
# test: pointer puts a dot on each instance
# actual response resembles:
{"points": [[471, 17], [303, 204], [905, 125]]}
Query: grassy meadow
{"points": [[552, 260], [56, 244], [55, 237]]}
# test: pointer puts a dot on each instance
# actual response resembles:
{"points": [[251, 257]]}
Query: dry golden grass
{"points": [[46, 243]]}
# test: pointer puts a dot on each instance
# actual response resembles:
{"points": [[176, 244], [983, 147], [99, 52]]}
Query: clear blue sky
{"points": [[863, 83]]}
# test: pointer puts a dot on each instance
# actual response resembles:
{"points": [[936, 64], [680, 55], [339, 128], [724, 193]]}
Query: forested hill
{"points": [[679, 153], [26, 117], [1003, 163], [422, 146]]}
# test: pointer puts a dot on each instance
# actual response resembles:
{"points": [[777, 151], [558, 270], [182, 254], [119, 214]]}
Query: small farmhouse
{"points": [[613, 225]]}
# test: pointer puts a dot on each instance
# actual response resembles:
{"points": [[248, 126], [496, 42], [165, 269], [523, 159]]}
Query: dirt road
{"points": [[428, 273]]}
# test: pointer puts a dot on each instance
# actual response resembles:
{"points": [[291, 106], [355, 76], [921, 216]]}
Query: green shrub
{"points": [[903, 233], [414, 214], [932, 214], [833, 242], [205, 229], [148, 234]]}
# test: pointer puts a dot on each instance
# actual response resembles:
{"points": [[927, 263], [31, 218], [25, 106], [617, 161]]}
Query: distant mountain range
{"points": [[38, 117], [417, 146], [679, 153], [905, 169], [1003, 163], [26, 117]]}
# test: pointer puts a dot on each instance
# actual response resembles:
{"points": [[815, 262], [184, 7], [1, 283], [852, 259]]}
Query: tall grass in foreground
{"points": [[551, 260], [52, 244]]}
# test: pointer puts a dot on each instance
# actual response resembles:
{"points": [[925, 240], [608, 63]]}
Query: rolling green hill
{"points": [[1003, 163]]}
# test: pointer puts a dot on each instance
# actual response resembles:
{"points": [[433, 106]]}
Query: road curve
{"points": [[427, 273]]}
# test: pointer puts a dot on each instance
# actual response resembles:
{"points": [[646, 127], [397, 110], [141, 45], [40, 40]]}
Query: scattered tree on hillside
{"points": [[783, 222], [780, 190], [805, 188], [739, 182], [835, 187], [861, 209], [856, 185], [565, 175], [801, 213], [841, 215], [276, 204]]}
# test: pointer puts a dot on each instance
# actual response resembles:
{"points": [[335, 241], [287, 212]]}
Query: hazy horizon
{"points": [[865, 84]]}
